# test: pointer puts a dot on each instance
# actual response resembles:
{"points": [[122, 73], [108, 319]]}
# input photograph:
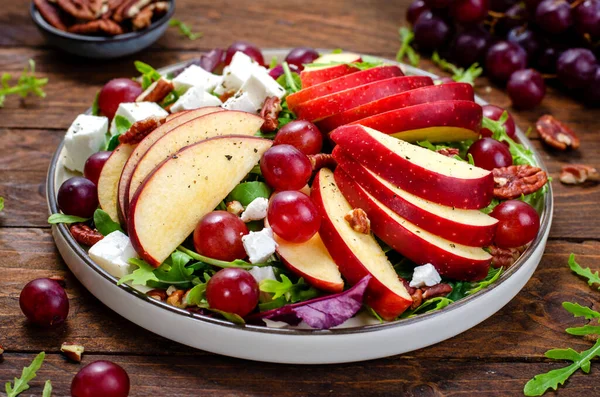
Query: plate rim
{"points": [[545, 224]]}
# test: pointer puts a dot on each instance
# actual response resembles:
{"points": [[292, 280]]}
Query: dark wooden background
{"points": [[495, 358]]}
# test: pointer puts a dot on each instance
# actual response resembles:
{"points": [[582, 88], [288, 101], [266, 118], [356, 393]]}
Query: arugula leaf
{"points": [[535, 199], [278, 288], [406, 38], [175, 272], [337, 51], [62, 218], [234, 318], [197, 296], [1, 203], [27, 84], [592, 278], [460, 289], [95, 106], [292, 80], [580, 311], [428, 306], [184, 29], [149, 74], [460, 75], [247, 192], [273, 63], [112, 143], [274, 304], [28, 374], [222, 264], [584, 330], [122, 124], [470, 159], [140, 276], [104, 223], [286, 115], [47, 389], [490, 279], [490, 206], [520, 154]]}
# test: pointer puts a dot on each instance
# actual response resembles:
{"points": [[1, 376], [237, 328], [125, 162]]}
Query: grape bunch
{"points": [[521, 43]]}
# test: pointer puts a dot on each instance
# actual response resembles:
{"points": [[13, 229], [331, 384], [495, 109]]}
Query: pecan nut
{"points": [[556, 134], [322, 160], [270, 112], [575, 174], [140, 129], [358, 221], [51, 14], [505, 257], [143, 18], [235, 207], [84, 10], [417, 298], [158, 294], [84, 234], [516, 180], [129, 9], [157, 91], [72, 351], [436, 291], [176, 299], [449, 152], [106, 26]]}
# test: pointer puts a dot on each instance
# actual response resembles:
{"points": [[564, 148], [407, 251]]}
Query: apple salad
{"points": [[309, 192]]}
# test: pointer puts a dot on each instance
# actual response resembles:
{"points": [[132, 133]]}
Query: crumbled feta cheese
{"points": [[112, 253], [425, 275], [195, 98], [239, 70], [85, 137], [262, 273], [195, 76], [259, 245], [256, 210], [242, 102], [136, 111], [262, 86]]}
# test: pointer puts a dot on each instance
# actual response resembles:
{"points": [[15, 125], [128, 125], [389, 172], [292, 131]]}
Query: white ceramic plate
{"points": [[356, 341]]}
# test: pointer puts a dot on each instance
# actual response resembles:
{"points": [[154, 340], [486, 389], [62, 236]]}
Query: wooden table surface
{"points": [[495, 358]]}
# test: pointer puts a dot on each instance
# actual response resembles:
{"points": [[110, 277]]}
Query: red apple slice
{"points": [[357, 254], [343, 83], [108, 182], [451, 260], [312, 261], [144, 145], [338, 102], [185, 187], [467, 227], [417, 170], [333, 66], [444, 121], [432, 93]]}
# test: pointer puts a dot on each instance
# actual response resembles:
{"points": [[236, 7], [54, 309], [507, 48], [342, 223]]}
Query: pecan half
{"points": [[84, 234], [556, 134], [513, 181], [158, 294], [270, 111], [225, 96], [322, 160], [358, 221], [157, 91], [449, 152], [105, 26], [84, 10], [72, 351], [140, 129], [417, 298], [505, 257], [436, 291], [51, 14], [143, 18], [176, 299], [575, 174], [129, 9], [235, 207]]}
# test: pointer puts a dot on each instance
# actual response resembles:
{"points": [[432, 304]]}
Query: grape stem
{"points": [[238, 263]]}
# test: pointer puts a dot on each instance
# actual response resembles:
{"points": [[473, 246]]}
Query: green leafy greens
{"points": [[460, 75], [218, 263], [1, 203], [140, 276], [406, 38], [592, 277], [247, 192], [47, 389], [62, 218], [27, 84], [29, 373], [104, 223], [291, 79], [149, 74], [184, 29]]}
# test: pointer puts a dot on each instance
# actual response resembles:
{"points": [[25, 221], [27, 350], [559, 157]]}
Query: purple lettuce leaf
{"points": [[321, 313]]}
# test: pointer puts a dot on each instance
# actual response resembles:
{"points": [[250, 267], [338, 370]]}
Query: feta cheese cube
{"points": [[262, 273], [259, 245], [85, 137], [195, 98], [195, 76], [239, 70], [425, 275], [261, 86], [256, 210], [136, 111], [112, 253], [243, 102]]}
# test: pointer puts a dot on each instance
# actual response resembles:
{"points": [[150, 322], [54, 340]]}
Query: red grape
{"points": [[515, 16], [232, 290], [285, 168], [494, 112], [501, 5], [293, 216], [527, 39], [438, 3], [115, 92], [547, 59], [504, 58], [78, 196], [526, 88], [488, 154], [554, 16], [431, 31], [301, 134], [100, 379], [278, 70], [247, 48], [93, 166], [44, 302], [212, 59], [219, 236], [587, 18], [414, 10], [470, 11], [300, 56], [576, 68], [591, 94], [518, 223], [470, 46]]}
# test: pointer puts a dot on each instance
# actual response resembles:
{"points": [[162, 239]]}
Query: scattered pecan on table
{"points": [[449, 152], [577, 174], [505, 257], [322, 160], [84, 234], [556, 134], [72, 351], [358, 221], [270, 111], [513, 181], [140, 129]]}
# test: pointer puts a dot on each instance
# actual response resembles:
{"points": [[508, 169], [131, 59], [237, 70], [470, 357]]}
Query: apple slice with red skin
{"points": [[108, 182], [433, 93], [343, 83], [334, 66], [145, 144], [443, 121], [422, 172], [468, 227], [329, 105], [451, 260], [357, 254], [186, 186]]}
